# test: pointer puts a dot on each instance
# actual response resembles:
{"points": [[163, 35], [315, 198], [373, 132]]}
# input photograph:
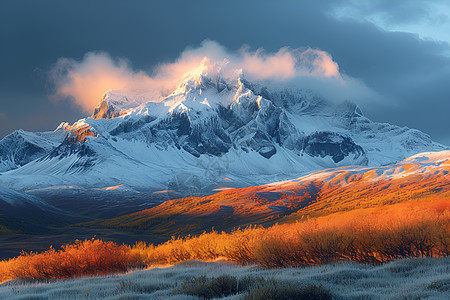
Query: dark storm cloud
{"points": [[410, 73]]}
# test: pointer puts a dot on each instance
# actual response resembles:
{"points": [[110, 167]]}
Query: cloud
{"points": [[85, 81], [284, 64], [393, 12], [426, 19]]}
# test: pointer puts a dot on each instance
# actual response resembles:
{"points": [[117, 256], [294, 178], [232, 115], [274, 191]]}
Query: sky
{"points": [[392, 57]]}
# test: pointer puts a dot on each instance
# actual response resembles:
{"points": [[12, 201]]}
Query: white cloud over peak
{"points": [[86, 80]]}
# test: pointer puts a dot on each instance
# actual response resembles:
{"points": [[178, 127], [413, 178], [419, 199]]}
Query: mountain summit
{"points": [[212, 129]]}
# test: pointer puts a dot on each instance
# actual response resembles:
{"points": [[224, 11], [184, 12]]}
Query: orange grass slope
{"points": [[422, 177], [371, 235]]}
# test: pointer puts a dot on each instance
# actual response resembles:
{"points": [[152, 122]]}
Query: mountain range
{"points": [[210, 133]]}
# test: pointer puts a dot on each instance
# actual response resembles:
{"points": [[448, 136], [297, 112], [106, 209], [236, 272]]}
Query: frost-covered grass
{"points": [[402, 279]]}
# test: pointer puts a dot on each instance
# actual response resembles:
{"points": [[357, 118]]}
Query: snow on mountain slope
{"points": [[21, 147], [207, 129]]}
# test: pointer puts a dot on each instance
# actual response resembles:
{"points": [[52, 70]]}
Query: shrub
{"points": [[208, 288], [416, 229], [126, 286], [278, 291], [89, 257]]}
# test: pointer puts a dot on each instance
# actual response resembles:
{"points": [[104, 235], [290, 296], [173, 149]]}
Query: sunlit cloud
{"points": [[86, 80], [284, 64]]}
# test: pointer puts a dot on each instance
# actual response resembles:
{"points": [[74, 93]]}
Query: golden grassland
{"points": [[321, 194], [370, 235]]}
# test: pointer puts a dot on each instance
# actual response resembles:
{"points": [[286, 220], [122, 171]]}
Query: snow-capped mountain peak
{"points": [[114, 104], [212, 125], [194, 78]]}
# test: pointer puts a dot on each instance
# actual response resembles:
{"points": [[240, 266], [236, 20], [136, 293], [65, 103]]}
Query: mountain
{"points": [[210, 131], [21, 147], [21, 212], [423, 178]]}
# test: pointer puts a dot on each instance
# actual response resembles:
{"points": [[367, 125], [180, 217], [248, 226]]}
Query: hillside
{"points": [[359, 214], [424, 177]]}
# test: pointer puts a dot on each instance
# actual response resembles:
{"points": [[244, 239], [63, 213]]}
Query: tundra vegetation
{"points": [[371, 236]]}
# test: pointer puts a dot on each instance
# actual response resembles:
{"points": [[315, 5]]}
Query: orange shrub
{"points": [[375, 235], [89, 257]]}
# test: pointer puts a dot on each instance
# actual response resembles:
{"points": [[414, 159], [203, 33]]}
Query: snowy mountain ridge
{"points": [[209, 131]]}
